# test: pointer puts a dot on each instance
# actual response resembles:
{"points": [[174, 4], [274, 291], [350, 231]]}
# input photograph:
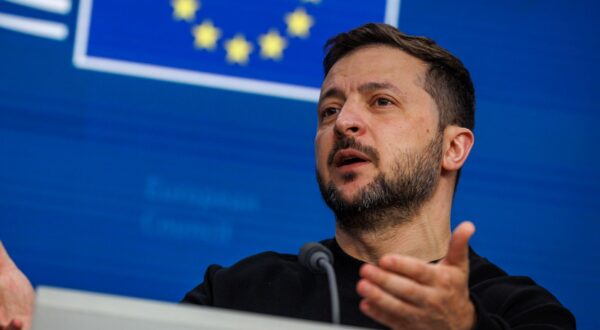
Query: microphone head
{"points": [[311, 253]]}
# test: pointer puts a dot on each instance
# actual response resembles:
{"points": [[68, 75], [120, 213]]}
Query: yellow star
{"points": [[206, 35], [272, 45], [299, 23], [238, 49], [185, 9]]}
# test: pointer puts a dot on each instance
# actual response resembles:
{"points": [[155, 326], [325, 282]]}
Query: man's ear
{"points": [[458, 142]]}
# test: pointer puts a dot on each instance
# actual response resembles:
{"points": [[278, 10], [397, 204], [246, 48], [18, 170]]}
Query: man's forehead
{"points": [[375, 64], [371, 55]]}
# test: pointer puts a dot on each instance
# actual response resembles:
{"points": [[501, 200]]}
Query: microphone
{"points": [[319, 259]]}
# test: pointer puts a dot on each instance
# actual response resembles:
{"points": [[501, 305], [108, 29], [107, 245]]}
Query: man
{"points": [[395, 121]]}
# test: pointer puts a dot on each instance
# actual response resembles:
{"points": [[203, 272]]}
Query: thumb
{"points": [[458, 251], [5, 260]]}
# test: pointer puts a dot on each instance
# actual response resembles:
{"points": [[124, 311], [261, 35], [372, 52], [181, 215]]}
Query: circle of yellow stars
{"points": [[272, 44]]}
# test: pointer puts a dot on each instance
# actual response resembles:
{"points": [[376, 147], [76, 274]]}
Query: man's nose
{"points": [[349, 122]]}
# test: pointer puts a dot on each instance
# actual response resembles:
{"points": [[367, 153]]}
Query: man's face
{"points": [[376, 126]]}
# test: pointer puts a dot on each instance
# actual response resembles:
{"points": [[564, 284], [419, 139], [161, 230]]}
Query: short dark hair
{"points": [[447, 80]]}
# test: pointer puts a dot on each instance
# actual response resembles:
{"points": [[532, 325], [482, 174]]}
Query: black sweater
{"points": [[273, 283]]}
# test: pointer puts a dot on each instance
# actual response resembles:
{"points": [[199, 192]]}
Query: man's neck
{"points": [[425, 236]]}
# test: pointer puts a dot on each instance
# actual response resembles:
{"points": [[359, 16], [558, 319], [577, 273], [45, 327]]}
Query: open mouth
{"points": [[349, 157], [350, 161]]}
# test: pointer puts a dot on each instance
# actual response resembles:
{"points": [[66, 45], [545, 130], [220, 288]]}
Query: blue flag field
{"points": [[270, 47]]}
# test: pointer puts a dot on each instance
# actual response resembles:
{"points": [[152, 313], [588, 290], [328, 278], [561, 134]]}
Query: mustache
{"points": [[351, 143]]}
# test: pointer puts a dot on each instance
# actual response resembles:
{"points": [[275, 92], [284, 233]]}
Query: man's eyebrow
{"points": [[332, 92], [364, 88], [373, 86]]}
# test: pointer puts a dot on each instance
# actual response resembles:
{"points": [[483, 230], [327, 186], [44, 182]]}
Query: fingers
{"points": [[458, 251], [5, 260], [402, 291], [410, 267], [399, 287], [381, 306]]}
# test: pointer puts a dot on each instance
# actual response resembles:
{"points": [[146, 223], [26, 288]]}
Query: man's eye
{"points": [[329, 112], [382, 101]]}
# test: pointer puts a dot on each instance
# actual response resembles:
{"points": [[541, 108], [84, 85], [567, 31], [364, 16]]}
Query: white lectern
{"points": [[61, 309]]}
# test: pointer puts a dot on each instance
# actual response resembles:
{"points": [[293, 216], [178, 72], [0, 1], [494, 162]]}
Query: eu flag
{"points": [[271, 47]]}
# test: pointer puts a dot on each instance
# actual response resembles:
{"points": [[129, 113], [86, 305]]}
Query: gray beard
{"points": [[388, 201]]}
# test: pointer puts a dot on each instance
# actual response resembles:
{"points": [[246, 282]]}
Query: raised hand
{"points": [[407, 293], [16, 295]]}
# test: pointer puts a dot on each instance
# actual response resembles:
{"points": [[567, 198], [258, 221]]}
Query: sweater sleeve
{"points": [[532, 315], [507, 302], [203, 293]]}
